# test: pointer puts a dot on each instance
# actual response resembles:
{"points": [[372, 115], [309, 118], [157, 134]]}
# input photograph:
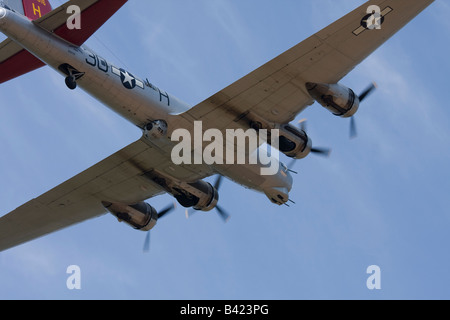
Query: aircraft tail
{"points": [[14, 60], [32, 9]]}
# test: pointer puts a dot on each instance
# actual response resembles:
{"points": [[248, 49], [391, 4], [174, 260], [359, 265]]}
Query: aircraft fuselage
{"points": [[136, 99]]}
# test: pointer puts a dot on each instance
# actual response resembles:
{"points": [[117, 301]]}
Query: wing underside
{"points": [[118, 178], [125, 177]]}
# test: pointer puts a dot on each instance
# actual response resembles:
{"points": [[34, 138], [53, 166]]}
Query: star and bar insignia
{"points": [[128, 80]]}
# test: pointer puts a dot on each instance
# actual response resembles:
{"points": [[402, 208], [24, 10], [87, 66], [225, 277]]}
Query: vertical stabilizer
{"points": [[32, 9]]}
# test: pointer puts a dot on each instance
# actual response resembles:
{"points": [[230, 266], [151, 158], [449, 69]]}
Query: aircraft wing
{"points": [[94, 13], [119, 178], [276, 91]]}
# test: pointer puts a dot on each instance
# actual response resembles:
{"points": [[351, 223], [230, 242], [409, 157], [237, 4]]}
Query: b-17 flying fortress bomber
{"points": [[227, 135]]}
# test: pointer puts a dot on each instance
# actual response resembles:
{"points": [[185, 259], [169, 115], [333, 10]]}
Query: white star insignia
{"points": [[128, 78]]}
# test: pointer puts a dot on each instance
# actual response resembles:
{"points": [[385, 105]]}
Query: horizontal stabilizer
{"points": [[16, 61], [94, 13]]}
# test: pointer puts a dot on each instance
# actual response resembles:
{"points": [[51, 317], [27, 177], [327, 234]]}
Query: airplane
{"points": [[266, 100]]}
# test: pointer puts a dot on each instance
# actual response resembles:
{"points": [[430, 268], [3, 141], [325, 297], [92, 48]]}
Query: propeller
{"points": [[319, 151], [161, 214], [362, 97], [324, 152], [220, 210], [223, 214], [146, 248], [167, 210]]}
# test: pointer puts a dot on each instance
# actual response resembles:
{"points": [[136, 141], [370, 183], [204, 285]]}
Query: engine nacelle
{"points": [[338, 99], [156, 129], [200, 195], [293, 142], [140, 216]]}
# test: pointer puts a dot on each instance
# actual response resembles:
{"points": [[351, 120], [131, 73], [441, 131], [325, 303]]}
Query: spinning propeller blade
{"points": [[324, 152], [161, 214], [221, 211], [362, 97]]}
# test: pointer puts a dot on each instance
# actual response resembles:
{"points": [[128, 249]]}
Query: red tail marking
{"points": [[92, 19], [34, 9], [19, 64]]}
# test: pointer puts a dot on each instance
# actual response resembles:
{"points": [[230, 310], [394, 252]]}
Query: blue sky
{"points": [[381, 199]]}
